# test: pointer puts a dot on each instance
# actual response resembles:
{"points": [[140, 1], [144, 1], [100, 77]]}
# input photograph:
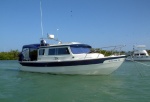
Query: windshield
{"points": [[79, 49]]}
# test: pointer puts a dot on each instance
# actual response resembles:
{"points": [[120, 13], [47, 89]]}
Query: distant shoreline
{"points": [[11, 55]]}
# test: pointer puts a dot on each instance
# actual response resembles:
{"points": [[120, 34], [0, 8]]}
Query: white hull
{"points": [[93, 69]]}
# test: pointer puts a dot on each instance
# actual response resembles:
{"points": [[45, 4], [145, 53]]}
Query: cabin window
{"points": [[58, 51], [41, 51], [51, 52], [80, 49], [136, 54], [62, 51], [142, 54], [25, 53]]}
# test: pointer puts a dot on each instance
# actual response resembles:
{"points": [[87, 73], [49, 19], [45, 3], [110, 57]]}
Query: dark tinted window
{"points": [[33, 54], [51, 51], [142, 54], [62, 51], [58, 51]]}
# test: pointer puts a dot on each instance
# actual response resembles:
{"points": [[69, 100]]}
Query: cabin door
{"points": [[33, 54]]}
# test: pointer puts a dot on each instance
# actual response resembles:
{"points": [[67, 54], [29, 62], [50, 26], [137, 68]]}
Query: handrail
{"points": [[114, 48]]}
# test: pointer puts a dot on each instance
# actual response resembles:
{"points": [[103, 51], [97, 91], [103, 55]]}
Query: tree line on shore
{"points": [[11, 55], [14, 54]]}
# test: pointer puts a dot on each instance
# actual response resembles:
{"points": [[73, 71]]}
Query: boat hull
{"points": [[103, 66]]}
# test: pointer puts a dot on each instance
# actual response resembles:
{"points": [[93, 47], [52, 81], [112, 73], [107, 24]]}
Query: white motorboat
{"points": [[139, 54], [67, 58]]}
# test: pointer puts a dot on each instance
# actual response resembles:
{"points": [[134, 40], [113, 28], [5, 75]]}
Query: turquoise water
{"points": [[130, 83]]}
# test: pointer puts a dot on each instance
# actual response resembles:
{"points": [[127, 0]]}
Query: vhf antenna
{"points": [[41, 19]]}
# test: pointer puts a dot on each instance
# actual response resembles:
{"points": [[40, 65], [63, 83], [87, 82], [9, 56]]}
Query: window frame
{"points": [[41, 53], [57, 51], [80, 49]]}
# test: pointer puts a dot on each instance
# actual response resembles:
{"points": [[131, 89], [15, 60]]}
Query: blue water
{"points": [[130, 83]]}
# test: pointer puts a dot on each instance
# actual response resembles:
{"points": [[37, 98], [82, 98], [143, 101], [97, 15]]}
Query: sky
{"points": [[99, 23]]}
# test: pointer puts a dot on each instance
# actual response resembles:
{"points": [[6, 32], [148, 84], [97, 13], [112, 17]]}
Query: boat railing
{"points": [[108, 51], [114, 50]]}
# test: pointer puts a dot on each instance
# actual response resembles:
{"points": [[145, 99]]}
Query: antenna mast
{"points": [[41, 18]]}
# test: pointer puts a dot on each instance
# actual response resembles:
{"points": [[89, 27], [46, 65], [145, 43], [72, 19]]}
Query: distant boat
{"points": [[139, 54], [67, 58]]}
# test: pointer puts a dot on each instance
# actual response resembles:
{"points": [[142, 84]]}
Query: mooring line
{"points": [[139, 71]]}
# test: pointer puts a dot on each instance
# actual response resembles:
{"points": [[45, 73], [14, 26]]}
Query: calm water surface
{"points": [[130, 83]]}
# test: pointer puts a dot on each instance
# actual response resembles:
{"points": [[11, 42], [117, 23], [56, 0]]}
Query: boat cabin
{"points": [[29, 52], [140, 53], [68, 51]]}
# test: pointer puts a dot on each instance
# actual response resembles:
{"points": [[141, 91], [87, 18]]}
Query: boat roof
{"points": [[73, 44], [32, 46]]}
